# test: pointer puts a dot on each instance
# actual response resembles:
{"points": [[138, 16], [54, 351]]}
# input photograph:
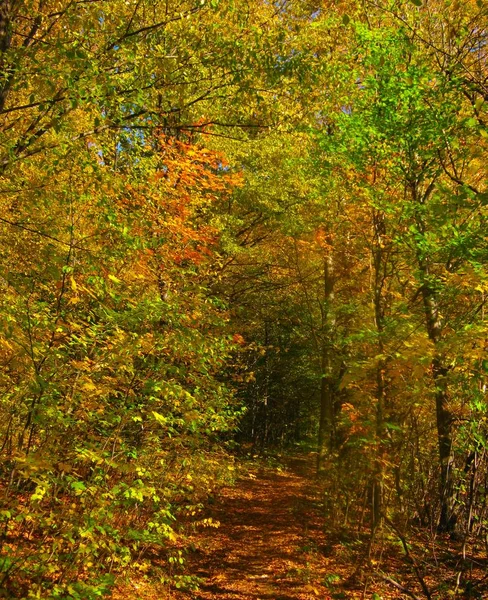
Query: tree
{"points": [[406, 122]]}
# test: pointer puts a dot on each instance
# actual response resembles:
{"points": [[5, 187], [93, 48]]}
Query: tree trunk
{"points": [[447, 521], [8, 11], [379, 278], [444, 419], [326, 421]]}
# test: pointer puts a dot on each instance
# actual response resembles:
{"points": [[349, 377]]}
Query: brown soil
{"points": [[269, 544]]}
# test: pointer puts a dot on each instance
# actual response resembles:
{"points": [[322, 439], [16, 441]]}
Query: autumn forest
{"points": [[239, 236]]}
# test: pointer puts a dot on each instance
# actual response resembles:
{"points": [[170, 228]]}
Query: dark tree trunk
{"points": [[379, 279], [327, 387], [439, 369], [8, 9]]}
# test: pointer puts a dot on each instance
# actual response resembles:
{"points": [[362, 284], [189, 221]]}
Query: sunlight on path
{"points": [[267, 545]]}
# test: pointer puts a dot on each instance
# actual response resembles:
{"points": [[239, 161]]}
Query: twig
{"points": [[399, 586], [410, 558]]}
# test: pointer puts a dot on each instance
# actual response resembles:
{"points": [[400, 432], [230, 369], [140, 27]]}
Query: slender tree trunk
{"points": [[379, 277], [378, 482], [444, 418], [8, 12], [326, 422], [266, 386]]}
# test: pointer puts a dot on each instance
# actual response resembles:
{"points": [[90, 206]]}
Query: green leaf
{"points": [[159, 418], [416, 2], [346, 19], [393, 426], [78, 486]]}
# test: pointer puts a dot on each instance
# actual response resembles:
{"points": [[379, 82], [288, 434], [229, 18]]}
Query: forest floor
{"points": [[269, 540]]}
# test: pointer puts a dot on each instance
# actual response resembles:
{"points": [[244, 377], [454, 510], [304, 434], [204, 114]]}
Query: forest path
{"points": [[270, 543]]}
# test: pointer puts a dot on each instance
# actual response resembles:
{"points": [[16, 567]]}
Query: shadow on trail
{"points": [[272, 545], [262, 549]]}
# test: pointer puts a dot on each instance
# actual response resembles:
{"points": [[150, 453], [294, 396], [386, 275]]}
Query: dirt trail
{"points": [[270, 541], [273, 543]]}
